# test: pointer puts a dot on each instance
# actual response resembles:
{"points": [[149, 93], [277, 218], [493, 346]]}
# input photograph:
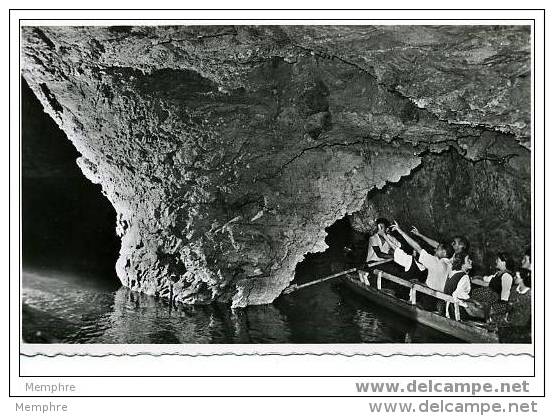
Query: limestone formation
{"points": [[227, 151]]}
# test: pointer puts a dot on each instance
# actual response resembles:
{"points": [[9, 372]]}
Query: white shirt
{"points": [[461, 292], [448, 263], [463, 288], [377, 241], [507, 281], [405, 260], [438, 270]]}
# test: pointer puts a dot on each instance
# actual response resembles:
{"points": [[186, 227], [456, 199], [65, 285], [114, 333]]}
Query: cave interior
{"points": [[214, 162]]}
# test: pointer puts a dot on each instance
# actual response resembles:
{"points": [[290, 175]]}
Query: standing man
{"points": [[438, 265]]}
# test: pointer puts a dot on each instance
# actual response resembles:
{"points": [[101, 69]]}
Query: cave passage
{"points": [[487, 201], [67, 224], [347, 249]]}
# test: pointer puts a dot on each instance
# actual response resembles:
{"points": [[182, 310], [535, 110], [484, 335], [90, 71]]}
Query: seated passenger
{"points": [[458, 284], [516, 325], [494, 296], [379, 247], [526, 267]]}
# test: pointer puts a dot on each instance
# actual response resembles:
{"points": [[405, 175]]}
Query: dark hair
{"points": [[526, 276], [505, 257], [463, 241], [447, 247], [383, 221], [458, 260]]}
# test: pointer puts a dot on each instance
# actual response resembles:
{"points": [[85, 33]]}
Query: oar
{"points": [[294, 287]]}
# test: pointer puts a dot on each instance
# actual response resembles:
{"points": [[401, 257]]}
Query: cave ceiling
{"points": [[227, 150]]}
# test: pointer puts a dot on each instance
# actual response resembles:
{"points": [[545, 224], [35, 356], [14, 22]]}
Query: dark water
{"points": [[80, 308], [74, 309], [70, 293]]}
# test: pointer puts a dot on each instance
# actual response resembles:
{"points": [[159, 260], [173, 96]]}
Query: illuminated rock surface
{"points": [[227, 151]]}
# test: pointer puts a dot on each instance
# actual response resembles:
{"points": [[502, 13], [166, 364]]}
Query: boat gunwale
{"points": [[457, 329]]}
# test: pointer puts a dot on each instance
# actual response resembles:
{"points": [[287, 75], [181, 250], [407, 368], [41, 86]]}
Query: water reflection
{"points": [[73, 308]]}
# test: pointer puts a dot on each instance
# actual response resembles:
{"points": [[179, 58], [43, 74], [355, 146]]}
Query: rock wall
{"points": [[226, 151], [487, 200]]}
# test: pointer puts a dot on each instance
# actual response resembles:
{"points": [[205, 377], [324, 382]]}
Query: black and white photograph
{"points": [[276, 184]]}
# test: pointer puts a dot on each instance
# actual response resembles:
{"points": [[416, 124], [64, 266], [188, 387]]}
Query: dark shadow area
{"points": [[67, 224], [329, 311], [347, 248]]}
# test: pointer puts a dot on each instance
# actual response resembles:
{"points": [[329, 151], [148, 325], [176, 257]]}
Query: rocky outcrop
{"points": [[488, 201], [226, 151]]}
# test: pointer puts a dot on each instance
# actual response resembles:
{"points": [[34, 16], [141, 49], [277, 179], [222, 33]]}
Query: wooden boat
{"points": [[465, 330]]}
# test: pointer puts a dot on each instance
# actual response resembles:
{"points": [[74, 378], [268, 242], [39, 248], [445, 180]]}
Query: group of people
{"points": [[502, 299]]}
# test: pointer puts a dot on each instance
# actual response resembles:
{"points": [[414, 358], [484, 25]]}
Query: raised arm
{"points": [[391, 241], [428, 240], [380, 254], [408, 239]]}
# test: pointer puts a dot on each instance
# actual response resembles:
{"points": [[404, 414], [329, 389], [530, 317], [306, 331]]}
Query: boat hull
{"points": [[461, 330]]}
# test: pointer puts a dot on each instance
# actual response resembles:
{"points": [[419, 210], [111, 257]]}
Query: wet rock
{"points": [[226, 151]]}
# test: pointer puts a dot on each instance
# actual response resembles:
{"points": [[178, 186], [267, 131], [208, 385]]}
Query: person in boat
{"points": [[380, 247], [437, 265], [526, 266], [410, 269], [459, 243], [496, 288], [514, 326], [458, 284]]}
